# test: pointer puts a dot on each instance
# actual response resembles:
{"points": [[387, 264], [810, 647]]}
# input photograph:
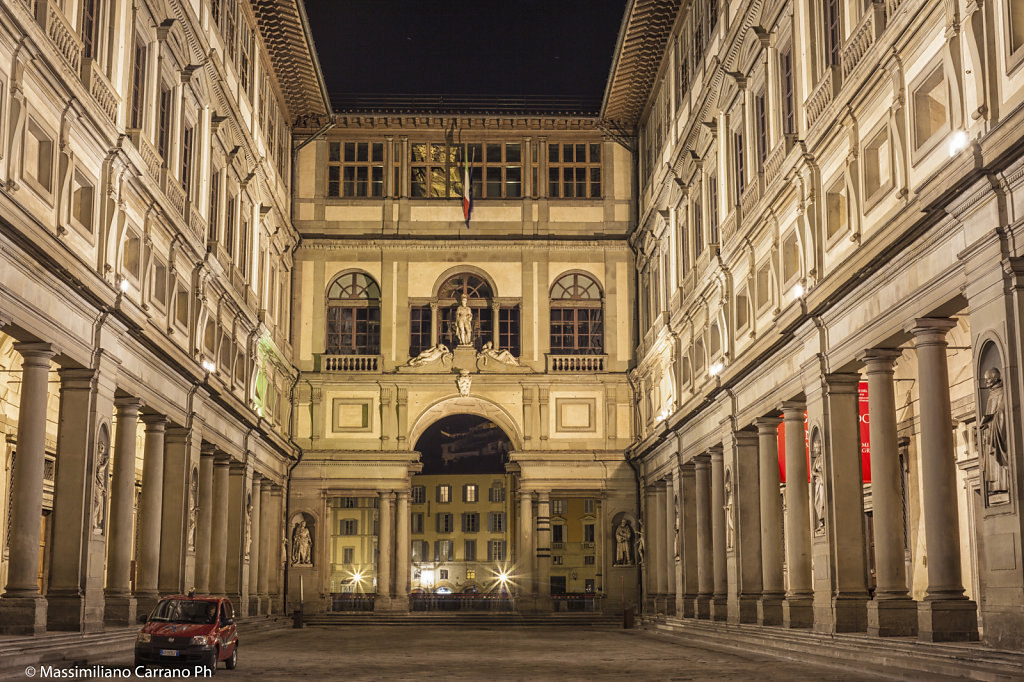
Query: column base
{"points": [[769, 611], [670, 605], [684, 606], [255, 607], [892, 617], [650, 605], [120, 610], [797, 613], [74, 613], [702, 608], [22, 615], [661, 604], [851, 614], [719, 608], [954, 620], [742, 610]]}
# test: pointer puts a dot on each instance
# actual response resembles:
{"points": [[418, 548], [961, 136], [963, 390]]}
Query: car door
{"points": [[227, 630]]}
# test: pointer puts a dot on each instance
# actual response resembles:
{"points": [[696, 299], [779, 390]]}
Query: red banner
{"points": [[863, 421]]}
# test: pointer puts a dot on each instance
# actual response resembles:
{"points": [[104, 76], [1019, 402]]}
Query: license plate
{"points": [[168, 652]]}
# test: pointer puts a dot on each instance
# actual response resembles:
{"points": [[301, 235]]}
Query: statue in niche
{"points": [[730, 502], [99, 505], [248, 524], [675, 534], [818, 484], [504, 356], [193, 508], [302, 544], [624, 543], [432, 354], [464, 322], [994, 444], [464, 382], [640, 547]]}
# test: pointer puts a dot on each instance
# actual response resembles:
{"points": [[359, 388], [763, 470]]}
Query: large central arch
{"points": [[467, 405]]}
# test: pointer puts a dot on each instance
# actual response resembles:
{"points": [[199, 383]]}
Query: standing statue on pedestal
{"points": [[994, 446], [302, 545], [99, 507], [818, 485], [464, 322], [640, 547], [624, 544], [730, 523]]}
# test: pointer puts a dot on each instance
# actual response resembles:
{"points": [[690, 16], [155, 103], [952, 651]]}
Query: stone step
{"points": [[463, 619], [892, 657]]}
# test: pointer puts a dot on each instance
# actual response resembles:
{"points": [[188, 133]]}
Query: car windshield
{"points": [[185, 611]]}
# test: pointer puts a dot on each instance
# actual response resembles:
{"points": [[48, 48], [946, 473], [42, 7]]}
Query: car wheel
{"points": [[233, 660]]}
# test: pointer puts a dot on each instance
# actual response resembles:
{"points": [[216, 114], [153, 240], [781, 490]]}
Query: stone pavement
{"points": [[500, 653]]}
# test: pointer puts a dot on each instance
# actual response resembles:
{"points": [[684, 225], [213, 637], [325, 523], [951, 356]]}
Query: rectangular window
{"points": [[181, 306], [470, 492], [349, 527], [737, 146], [589, 506], [38, 161], [419, 551], [877, 164], [588, 532], [419, 494], [835, 209], [469, 548], [138, 82], [355, 169], [416, 522], [930, 108], [833, 33], [574, 171], [229, 227], [131, 260], [557, 560], [713, 208], [764, 293], [577, 330], [443, 550], [90, 10], [508, 329], [761, 121], [557, 533], [496, 169], [436, 170], [788, 107], [559, 506], [214, 227], [496, 550], [164, 122], [159, 293], [228, 25], [698, 227], [82, 202], [420, 321], [470, 522], [186, 160], [445, 523], [245, 47], [496, 494], [348, 555], [496, 522], [444, 494], [588, 561], [443, 574]]}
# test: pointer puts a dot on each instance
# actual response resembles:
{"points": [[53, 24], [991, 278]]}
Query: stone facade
{"points": [[827, 210]]}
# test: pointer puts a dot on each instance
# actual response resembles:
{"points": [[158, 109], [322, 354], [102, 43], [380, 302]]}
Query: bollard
{"points": [[627, 618]]}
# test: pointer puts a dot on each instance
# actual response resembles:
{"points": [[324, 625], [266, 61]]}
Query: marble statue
{"points": [[193, 509], [248, 524], [99, 507], [302, 545], [504, 356], [675, 525], [464, 382], [624, 543], [432, 354], [640, 548], [730, 501], [818, 485], [994, 446], [464, 322]]}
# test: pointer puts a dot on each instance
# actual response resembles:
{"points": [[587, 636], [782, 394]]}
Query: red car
{"points": [[189, 630]]}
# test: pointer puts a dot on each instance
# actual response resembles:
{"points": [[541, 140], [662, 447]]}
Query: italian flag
{"points": [[467, 191]]}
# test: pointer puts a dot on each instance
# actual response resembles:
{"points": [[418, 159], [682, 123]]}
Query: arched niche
{"points": [[481, 407]]}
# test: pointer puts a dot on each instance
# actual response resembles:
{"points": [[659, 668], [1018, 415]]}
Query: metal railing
{"points": [[575, 602], [462, 602], [341, 602]]}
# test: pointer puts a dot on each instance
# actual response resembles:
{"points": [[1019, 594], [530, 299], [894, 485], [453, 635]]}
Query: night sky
{"points": [[559, 48]]}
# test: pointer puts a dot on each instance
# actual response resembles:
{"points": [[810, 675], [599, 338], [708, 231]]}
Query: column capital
{"points": [[793, 410], [403, 495], [929, 329], [526, 495], [256, 476], [154, 422], [386, 494], [879, 359], [715, 453], [128, 407], [36, 354], [76, 378], [841, 382], [221, 458], [702, 461], [745, 437], [543, 495], [266, 484], [767, 425]]}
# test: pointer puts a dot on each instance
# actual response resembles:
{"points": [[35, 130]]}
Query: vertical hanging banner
{"points": [[782, 449], [865, 431]]}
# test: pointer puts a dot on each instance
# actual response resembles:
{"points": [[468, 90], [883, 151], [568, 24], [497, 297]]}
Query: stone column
{"points": [[219, 524], [23, 608], [204, 522], [688, 549], [946, 614], [719, 602], [671, 562], [277, 548], [255, 541], [769, 608], [705, 537], [654, 542], [119, 608], [745, 574], [236, 578], [174, 523], [544, 551], [267, 541], [385, 550], [147, 563], [402, 550], [526, 551], [892, 612], [797, 609]]}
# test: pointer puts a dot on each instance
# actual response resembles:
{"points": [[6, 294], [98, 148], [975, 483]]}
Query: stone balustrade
{"points": [[820, 98], [59, 30], [862, 38], [577, 363], [100, 88], [351, 363]]}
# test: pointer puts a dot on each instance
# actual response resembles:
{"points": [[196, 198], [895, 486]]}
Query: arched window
{"points": [[478, 294], [353, 315], [577, 316], [426, 329]]}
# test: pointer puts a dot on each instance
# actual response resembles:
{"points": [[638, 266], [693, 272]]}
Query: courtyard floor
{"points": [[500, 653]]}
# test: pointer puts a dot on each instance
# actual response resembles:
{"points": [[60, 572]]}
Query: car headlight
{"points": [[200, 640], [144, 637]]}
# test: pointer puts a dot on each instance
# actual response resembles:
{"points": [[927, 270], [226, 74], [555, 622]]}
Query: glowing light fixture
{"points": [[123, 284], [357, 577], [798, 290], [958, 142], [209, 366], [716, 369]]}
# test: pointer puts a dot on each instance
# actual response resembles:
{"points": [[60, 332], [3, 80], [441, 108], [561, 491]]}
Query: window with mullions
{"points": [[90, 23], [138, 82], [436, 170], [788, 109], [737, 147], [353, 315], [761, 121], [164, 122], [574, 171], [833, 33], [496, 170], [508, 329], [577, 319], [355, 169], [419, 329]]}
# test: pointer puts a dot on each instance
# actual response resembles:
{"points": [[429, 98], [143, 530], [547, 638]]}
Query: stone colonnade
{"points": [[205, 519], [736, 534]]}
